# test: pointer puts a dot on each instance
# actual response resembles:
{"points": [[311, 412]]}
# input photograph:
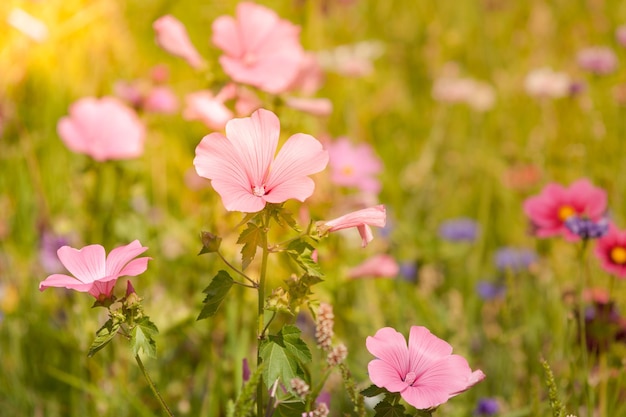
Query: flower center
{"points": [[618, 255], [565, 212], [249, 59], [258, 190], [410, 378], [347, 170]]}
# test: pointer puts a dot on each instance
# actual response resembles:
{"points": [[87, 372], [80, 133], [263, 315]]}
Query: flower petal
{"points": [[389, 346], [425, 349], [122, 255], [64, 281], [384, 375], [86, 264]]}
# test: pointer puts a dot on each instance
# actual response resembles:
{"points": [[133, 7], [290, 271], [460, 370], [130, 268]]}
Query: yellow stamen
{"points": [[565, 212], [618, 255], [347, 170]]}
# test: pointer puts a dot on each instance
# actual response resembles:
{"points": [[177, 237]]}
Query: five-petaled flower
{"points": [[361, 219], [94, 272], [242, 167], [555, 204], [611, 251], [426, 373]]}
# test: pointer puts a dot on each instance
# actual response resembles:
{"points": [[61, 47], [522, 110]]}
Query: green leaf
{"points": [[283, 355], [103, 336], [141, 337], [290, 409], [373, 391], [215, 294], [385, 409], [210, 243], [283, 216], [250, 238], [302, 253]]}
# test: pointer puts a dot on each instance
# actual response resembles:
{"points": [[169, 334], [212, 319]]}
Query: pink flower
{"points": [[379, 266], [600, 60], [103, 129], [314, 106], [361, 219], [611, 251], [555, 204], [242, 167], [426, 373], [172, 36], [354, 165], [95, 274], [260, 49], [620, 35], [161, 99], [544, 82], [209, 109]]}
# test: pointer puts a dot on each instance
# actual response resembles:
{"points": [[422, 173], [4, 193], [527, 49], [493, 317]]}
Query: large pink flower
{"points": [[354, 165], [103, 129], [426, 373], [260, 48], [242, 167], [172, 36], [93, 272], [611, 251], [361, 219], [549, 210]]}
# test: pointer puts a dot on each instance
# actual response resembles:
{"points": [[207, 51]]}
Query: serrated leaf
{"points": [[283, 216], [103, 336], [250, 238], [215, 294], [142, 337], [283, 355], [385, 409], [373, 391], [302, 253]]}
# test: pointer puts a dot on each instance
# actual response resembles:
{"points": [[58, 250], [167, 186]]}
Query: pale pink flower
{"points": [[354, 165], [355, 60], [207, 108], [246, 102], [172, 36], [378, 266], [315, 106], [260, 48], [620, 35], [310, 75], [161, 99], [103, 129], [555, 204], [600, 60], [611, 251], [544, 82], [244, 170], [361, 219], [477, 94], [425, 373], [93, 272]]}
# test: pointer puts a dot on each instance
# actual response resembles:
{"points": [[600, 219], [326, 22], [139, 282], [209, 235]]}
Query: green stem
{"points": [[582, 328], [261, 308], [238, 271], [153, 387]]}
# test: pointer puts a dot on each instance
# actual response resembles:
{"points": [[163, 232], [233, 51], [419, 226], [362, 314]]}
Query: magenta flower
{"points": [[611, 251], [378, 266], [354, 165], [555, 204], [426, 373], [95, 274], [172, 36], [361, 219], [242, 167], [103, 129], [260, 49]]}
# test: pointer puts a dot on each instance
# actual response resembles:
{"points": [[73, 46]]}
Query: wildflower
{"points": [[260, 49], [451, 89], [337, 355], [321, 410], [604, 325], [408, 271], [48, 247], [242, 167], [310, 76], [315, 106], [426, 373], [549, 210], [611, 251], [103, 129], [354, 165], [324, 324], [514, 259], [487, 407], [600, 60], [458, 230], [361, 219], [489, 290], [354, 60], [160, 99], [620, 35], [378, 266], [300, 387], [95, 274], [208, 109], [544, 82], [587, 228], [172, 36]]}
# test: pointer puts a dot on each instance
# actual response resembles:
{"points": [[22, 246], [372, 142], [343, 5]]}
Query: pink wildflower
{"points": [[361, 219], [172, 36], [95, 274], [426, 373], [378, 266], [161, 99], [314, 106], [209, 109], [600, 60], [260, 49], [354, 165], [555, 204], [544, 82], [103, 129], [242, 167], [611, 251]]}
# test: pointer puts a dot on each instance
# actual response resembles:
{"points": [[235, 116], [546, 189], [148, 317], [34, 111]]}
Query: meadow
{"points": [[456, 116]]}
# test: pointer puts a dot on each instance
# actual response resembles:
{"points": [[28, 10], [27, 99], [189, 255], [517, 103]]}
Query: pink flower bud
{"points": [[172, 36]]}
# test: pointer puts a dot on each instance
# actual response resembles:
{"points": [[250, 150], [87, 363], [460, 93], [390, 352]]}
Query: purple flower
{"points": [[489, 290], [48, 247], [600, 60], [459, 230], [487, 407], [587, 228], [408, 271], [514, 259]]}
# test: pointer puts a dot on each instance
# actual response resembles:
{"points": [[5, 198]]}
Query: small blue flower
{"points": [[408, 271], [489, 290], [459, 230], [487, 407], [514, 259], [587, 228]]}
